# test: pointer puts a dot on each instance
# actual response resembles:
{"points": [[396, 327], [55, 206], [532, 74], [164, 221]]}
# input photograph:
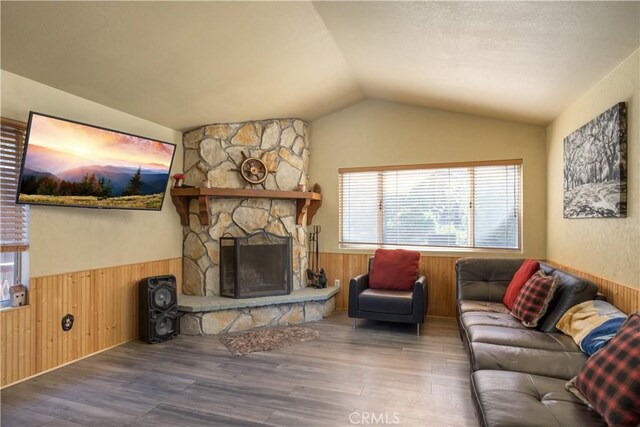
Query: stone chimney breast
{"points": [[210, 154]]}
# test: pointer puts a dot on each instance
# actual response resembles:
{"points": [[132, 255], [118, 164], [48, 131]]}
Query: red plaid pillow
{"points": [[610, 380], [534, 298]]}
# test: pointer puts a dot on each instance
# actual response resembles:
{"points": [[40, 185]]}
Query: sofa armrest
{"points": [[356, 286], [420, 299]]}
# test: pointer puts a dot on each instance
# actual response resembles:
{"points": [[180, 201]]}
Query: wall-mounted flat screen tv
{"points": [[67, 163]]}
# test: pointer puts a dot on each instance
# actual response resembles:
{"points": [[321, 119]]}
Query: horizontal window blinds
{"points": [[469, 206], [359, 207], [496, 207], [13, 218]]}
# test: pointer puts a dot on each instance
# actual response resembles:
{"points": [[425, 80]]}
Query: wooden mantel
{"points": [[306, 202]]}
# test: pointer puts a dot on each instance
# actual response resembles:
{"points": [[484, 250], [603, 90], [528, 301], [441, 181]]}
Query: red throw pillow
{"points": [[395, 269], [534, 298], [610, 379], [524, 273]]}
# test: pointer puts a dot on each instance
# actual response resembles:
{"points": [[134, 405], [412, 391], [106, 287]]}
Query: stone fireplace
{"points": [[210, 155]]}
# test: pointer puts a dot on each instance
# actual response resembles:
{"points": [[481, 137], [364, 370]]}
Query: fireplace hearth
{"points": [[257, 265]]}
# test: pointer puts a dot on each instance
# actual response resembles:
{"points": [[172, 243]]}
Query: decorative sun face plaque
{"points": [[595, 167]]}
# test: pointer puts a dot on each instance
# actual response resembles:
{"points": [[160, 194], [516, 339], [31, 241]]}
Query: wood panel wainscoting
{"points": [[441, 276], [622, 296], [17, 343], [103, 301]]}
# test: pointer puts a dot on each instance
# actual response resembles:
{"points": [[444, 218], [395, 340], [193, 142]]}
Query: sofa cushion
{"points": [[484, 279], [524, 273], [465, 306], [527, 338], [571, 290], [489, 318], [549, 363], [394, 269], [472, 319], [534, 298], [610, 380], [386, 301], [591, 324], [508, 399]]}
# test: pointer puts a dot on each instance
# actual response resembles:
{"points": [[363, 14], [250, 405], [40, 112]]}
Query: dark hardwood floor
{"points": [[379, 374]]}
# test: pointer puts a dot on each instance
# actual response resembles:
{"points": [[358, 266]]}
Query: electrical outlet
{"points": [[336, 283]]}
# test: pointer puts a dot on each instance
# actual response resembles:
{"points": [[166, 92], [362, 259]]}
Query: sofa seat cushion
{"points": [[518, 399], [516, 337], [549, 363], [465, 306], [386, 301], [489, 318]]}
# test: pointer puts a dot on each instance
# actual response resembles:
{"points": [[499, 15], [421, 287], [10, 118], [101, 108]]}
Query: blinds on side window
{"points": [[13, 218]]}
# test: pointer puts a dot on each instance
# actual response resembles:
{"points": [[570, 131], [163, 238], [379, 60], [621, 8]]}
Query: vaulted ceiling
{"points": [[185, 64]]}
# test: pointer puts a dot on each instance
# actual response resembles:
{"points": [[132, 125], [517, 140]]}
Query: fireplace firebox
{"points": [[257, 265]]}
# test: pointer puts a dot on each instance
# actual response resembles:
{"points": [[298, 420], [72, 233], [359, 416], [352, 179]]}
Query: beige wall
{"points": [[608, 248], [375, 133], [72, 239]]}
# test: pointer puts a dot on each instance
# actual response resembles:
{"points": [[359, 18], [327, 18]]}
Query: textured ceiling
{"points": [[524, 61], [184, 64]]}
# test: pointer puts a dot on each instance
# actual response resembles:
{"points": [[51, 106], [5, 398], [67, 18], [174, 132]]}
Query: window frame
{"points": [[432, 248], [19, 250]]}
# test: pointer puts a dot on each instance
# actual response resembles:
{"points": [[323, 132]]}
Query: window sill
{"points": [[4, 308]]}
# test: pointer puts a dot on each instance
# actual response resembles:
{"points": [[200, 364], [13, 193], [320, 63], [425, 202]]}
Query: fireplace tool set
{"points": [[316, 277]]}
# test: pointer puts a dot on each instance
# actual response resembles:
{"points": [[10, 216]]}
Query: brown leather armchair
{"points": [[387, 305]]}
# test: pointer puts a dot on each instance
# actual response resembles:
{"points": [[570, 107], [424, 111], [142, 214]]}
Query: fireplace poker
{"points": [[310, 250], [316, 231], [313, 273], [310, 257]]}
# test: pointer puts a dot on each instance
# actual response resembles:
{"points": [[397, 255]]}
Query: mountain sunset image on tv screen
{"points": [[73, 164]]}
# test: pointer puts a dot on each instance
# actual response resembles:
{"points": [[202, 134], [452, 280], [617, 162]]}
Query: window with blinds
{"points": [[475, 205], [13, 237]]}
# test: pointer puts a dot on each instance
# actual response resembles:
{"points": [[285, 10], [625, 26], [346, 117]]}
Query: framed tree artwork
{"points": [[595, 167]]}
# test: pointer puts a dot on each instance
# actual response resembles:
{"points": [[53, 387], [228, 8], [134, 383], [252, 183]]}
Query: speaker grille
{"points": [[165, 325], [163, 297], [158, 315]]}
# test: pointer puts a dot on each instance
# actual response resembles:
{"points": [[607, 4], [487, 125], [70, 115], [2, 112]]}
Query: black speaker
{"points": [[158, 315]]}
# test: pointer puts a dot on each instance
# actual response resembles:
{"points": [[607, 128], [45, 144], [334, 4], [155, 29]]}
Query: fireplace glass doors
{"points": [[257, 265]]}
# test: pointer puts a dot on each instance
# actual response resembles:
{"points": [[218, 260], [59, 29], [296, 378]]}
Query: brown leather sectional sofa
{"points": [[518, 374]]}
